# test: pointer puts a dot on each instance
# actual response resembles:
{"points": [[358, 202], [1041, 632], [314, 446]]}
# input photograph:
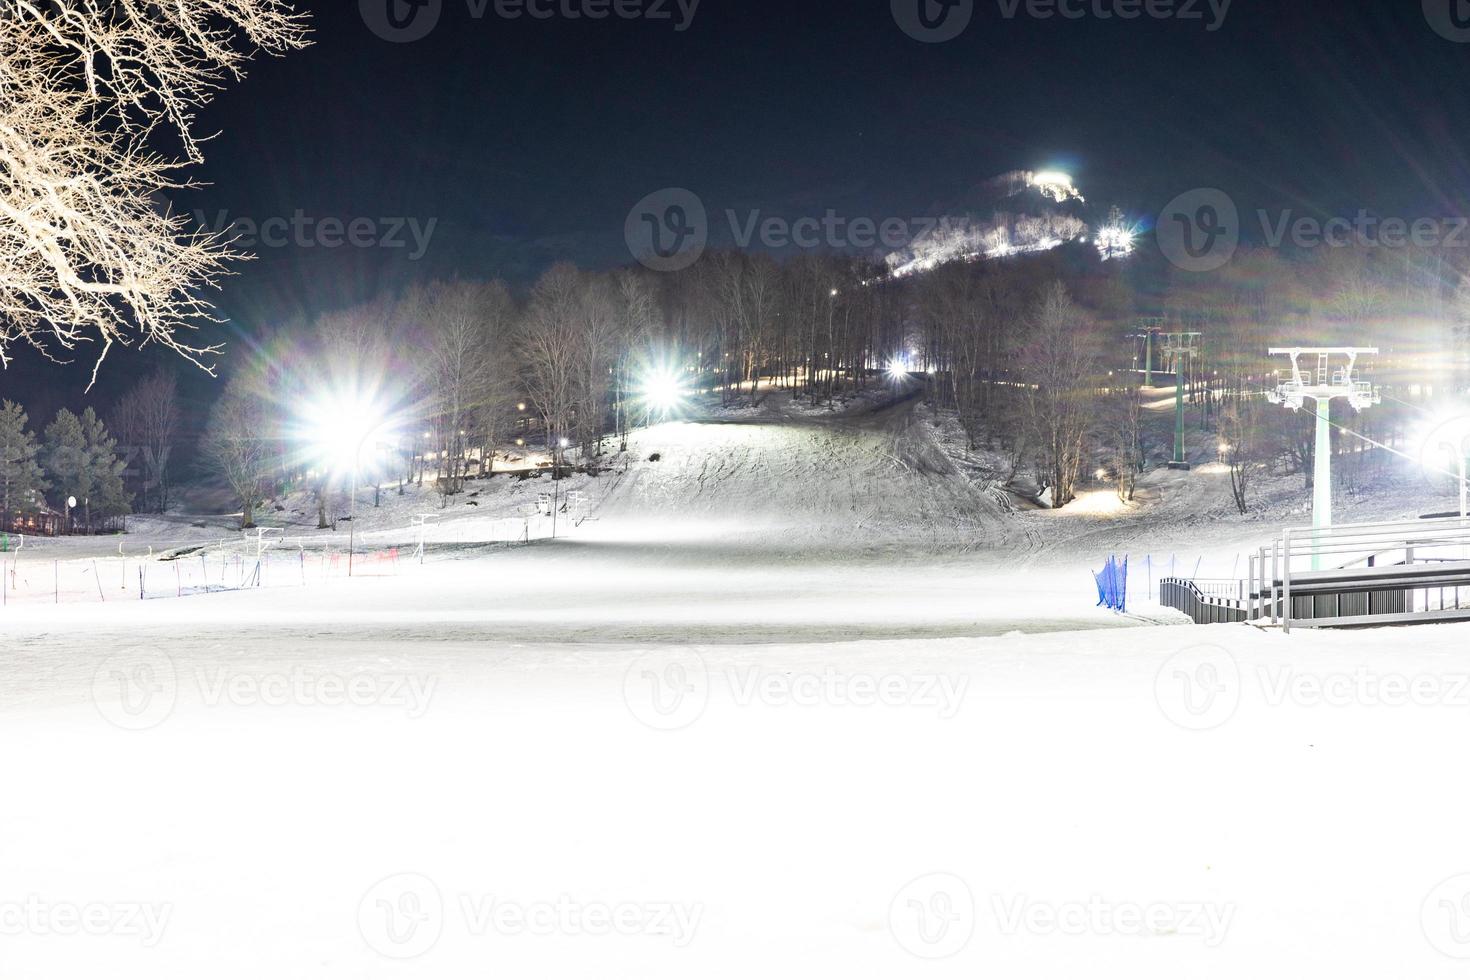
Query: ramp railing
{"points": [[1367, 574]]}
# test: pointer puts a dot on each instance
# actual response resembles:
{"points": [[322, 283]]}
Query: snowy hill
{"points": [[865, 480], [1012, 214]]}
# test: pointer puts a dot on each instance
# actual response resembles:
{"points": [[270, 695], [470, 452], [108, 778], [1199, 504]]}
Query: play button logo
{"points": [[401, 21], [933, 21]]}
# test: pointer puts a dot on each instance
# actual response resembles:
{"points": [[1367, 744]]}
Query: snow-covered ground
{"points": [[800, 698]]}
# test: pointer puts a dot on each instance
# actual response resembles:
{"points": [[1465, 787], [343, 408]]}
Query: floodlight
{"points": [[1115, 241], [338, 426], [662, 390]]}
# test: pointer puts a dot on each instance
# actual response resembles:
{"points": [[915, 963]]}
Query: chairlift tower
{"points": [[1323, 383], [1181, 346], [1150, 327]]}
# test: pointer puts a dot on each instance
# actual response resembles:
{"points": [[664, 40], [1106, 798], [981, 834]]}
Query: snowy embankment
{"points": [[800, 698]]}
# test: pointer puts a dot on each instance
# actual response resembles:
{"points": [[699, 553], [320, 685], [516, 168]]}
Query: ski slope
{"points": [[866, 481]]}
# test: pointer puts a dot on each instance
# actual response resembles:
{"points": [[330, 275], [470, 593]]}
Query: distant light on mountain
{"points": [[1055, 185], [1115, 239], [1025, 212]]}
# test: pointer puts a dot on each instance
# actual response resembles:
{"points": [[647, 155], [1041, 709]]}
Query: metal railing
{"points": [[1366, 574], [1186, 596]]}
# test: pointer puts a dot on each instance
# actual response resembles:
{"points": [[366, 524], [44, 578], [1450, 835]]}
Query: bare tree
{"points": [[1122, 438], [91, 90], [146, 421], [1060, 367], [642, 328], [600, 320], [464, 329], [748, 288], [550, 344], [237, 443], [1244, 447]]}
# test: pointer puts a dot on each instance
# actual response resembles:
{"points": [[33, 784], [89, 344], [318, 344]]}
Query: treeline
{"points": [[1033, 353], [456, 364], [999, 361], [76, 459]]}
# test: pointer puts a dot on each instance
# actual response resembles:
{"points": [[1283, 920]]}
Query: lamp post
{"points": [[352, 517], [556, 456]]}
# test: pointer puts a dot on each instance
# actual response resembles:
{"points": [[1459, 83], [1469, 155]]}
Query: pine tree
{"points": [[108, 495], [67, 461], [21, 482]]}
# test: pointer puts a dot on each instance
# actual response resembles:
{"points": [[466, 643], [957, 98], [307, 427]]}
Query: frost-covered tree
{"points": [[21, 480], [97, 107]]}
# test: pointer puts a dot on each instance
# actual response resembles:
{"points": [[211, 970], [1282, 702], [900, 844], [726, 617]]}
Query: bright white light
{"points": [[1115, 241], [898, 368], [663, 391], [1005, 250], [1095, 503], [1056, 185], [339, 427], [1441, 440]]}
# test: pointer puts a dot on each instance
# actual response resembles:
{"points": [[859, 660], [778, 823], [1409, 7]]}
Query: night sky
{"points": [[526, 141]]}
